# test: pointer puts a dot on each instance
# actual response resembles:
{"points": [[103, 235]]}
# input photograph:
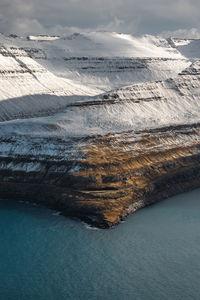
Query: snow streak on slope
{"points": [[43, 37]]}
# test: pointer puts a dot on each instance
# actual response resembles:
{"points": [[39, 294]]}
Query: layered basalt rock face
{"points": [[103, 179], [98, 157]]}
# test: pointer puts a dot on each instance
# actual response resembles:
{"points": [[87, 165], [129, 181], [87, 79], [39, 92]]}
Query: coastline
{"points": [[112, 177]]}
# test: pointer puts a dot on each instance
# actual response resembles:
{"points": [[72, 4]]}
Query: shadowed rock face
{"points": [[108, 177]]}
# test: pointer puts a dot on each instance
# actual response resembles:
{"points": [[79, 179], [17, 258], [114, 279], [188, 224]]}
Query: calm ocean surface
{"points": [[154, 255]]}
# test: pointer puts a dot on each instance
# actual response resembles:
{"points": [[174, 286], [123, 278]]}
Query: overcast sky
{"points": [[128, 16]]}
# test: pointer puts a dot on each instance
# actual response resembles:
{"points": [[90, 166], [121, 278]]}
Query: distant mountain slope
{"points": [[103, 59], [187, 47], [136, 107]]}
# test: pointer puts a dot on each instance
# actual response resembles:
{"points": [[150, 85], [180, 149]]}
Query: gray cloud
{"points": [[130, 16]]}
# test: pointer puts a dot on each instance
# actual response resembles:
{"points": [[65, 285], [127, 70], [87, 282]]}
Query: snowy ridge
{"points": [[109, 44], [110, 60], [43, 37]]}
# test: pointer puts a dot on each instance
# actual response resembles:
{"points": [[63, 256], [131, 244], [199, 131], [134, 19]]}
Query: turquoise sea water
{"points": [[154, 255]]}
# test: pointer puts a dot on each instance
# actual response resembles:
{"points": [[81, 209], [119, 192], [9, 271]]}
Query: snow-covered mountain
{"points": [[103, 59], [98, 116], [35, 70], [136, 107]]}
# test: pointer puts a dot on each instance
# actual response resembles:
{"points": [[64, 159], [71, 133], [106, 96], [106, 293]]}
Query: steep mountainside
{"points": [[93, 154]]}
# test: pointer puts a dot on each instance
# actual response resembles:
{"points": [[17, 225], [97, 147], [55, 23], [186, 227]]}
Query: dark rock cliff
{"points": [[109, 176]]}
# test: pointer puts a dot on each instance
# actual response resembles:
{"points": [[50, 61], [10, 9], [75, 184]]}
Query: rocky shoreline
{"points": [[108, 177]]}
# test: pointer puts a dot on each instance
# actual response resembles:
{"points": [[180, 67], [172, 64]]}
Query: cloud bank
{"points": [[128, 16]]}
